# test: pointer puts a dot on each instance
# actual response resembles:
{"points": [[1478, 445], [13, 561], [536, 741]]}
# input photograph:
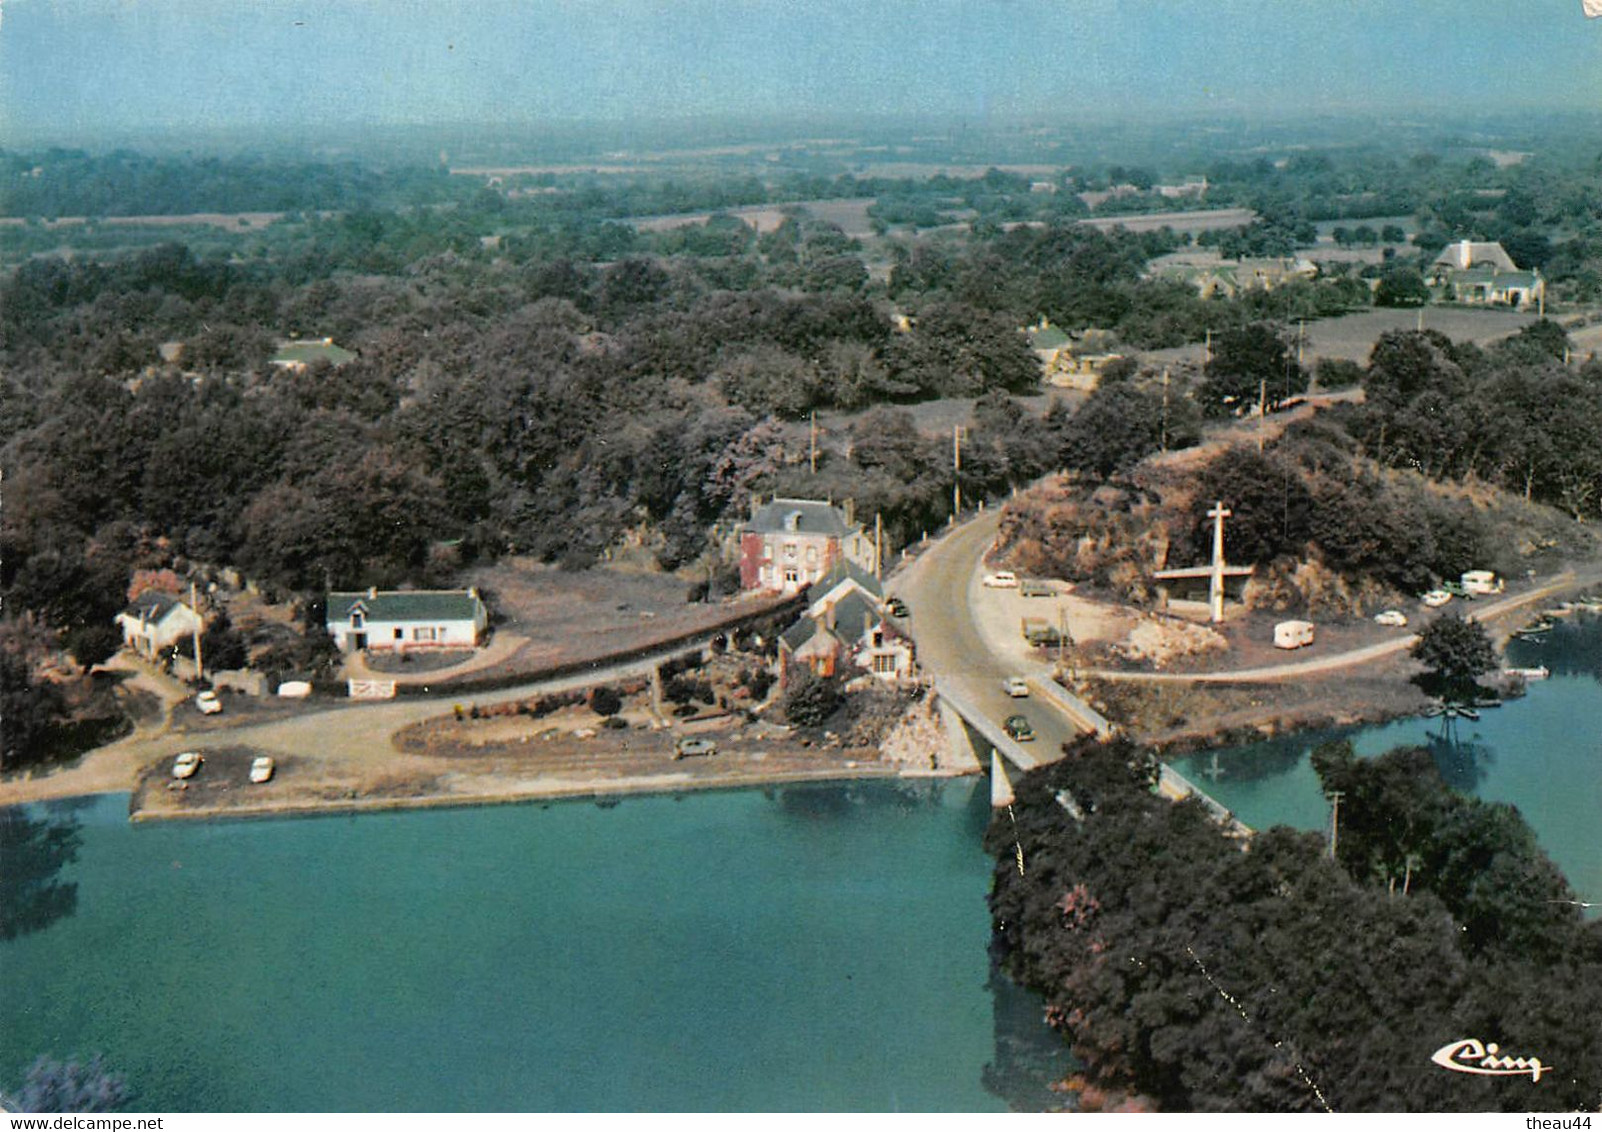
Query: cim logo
{"points": [[1470, 1055]]}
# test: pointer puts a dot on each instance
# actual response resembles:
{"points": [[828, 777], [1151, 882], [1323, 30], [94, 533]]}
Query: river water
{"points": [[817, 948], [1542, 753]]}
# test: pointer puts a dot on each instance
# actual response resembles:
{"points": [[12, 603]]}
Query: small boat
{"points": [[1538, 673], [1589, 603], [1561, 610]]}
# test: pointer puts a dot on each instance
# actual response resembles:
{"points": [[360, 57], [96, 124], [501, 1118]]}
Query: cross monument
{"points": [[1215, 591]]}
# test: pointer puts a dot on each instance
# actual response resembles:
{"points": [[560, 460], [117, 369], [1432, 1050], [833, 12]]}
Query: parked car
{"points": [[261, 769], [1457, 589], [185, 765], [1434, 599], [1395, 618], [1035, 587], [1015, 686], [1018, 727], [208, 703], [689, 748], [1002, 580]]}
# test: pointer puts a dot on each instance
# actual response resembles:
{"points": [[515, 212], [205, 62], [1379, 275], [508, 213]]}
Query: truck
{"points": [[1035, 587], [1040, 631]]}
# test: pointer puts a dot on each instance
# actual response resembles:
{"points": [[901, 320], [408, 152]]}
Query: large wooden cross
{"points": [[1215, 591]]}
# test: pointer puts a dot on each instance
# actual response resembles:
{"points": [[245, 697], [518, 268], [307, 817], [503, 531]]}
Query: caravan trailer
{"points": [[1293, 634], [1480, 582]]}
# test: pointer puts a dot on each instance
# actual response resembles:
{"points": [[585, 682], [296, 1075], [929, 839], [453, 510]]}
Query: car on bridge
{"points": [[1018, 728], [1015, 686], [1002, 580]]}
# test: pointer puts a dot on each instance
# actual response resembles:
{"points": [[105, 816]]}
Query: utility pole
{"points": [[194, 604], [956, 472], [812, 444], [1062, 634], [1335, 797], [878, 544], [1207, 348], [1163, 433]]}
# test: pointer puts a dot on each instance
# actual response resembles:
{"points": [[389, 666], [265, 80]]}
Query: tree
{"points": [[30, 708], [1401, 287], [810, 699], [1456, 652], [605, 701], [74, 1086], [1249, 362]]}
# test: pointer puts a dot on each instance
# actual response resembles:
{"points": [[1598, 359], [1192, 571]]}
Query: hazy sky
{"points": [[67, 66]]}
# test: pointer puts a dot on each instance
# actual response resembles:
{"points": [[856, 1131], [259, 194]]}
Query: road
{"points": [[1290, 670], [959, 645]]}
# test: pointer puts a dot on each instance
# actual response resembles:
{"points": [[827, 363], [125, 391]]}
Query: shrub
{"points": [[605, 701]]}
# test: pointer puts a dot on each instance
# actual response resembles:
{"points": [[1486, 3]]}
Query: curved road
{"points": [[940, 588]]}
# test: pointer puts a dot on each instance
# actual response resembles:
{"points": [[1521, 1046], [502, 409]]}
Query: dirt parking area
{"points": [[573, 616]]}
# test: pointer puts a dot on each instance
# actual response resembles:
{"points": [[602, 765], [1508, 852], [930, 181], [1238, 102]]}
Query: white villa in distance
{"points": [[404, 620]]}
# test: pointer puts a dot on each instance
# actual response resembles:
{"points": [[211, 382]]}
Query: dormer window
{"points": [[792, 521], [357, 621]]}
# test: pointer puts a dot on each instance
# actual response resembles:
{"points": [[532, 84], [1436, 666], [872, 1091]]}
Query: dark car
{"points": [[1018, 727]]}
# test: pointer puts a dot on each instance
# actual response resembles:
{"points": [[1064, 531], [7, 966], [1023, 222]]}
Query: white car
{"points": [[185, 765], [1015, 686], [1435, 598], [1395, 618], [208, 703], [261, 769], [1002, 580]]}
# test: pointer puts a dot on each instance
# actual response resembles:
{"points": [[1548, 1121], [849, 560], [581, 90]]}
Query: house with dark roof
{"points": [[155, 621], [789, 544], [848, 637], [404, 620], [845, 577]]}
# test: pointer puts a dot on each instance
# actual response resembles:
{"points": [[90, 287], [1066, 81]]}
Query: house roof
{"points": [[800, 633], [406, 605], [304, 352], [1464, 254], [1048, 338], [806, 516], [853, 614], [841, 571], [153, 605]]}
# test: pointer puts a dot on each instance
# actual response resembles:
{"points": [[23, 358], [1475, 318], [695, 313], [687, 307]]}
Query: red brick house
{"points": [[788, 544]]}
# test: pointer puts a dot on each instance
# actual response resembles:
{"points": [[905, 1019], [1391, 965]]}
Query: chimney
{"points": [[372, 593], [850, 506]]}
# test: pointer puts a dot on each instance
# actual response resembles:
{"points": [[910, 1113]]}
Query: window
{"points": [[791, 577], [357, 621], [400, 634], [812, 556], [789, 552], [425, 634], [884, 664]]}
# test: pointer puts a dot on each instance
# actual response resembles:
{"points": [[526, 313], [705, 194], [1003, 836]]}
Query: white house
{"points": [[403, 620], [155, 621]]}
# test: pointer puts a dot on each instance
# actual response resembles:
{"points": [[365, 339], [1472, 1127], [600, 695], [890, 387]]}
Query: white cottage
{"points": [[154, 622], [403, 620]]}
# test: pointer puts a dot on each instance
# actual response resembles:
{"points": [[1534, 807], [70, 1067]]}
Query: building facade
{"points": [[406, 620], [789, 544]]}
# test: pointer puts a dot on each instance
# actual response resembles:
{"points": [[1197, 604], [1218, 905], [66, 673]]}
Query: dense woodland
{"points": [[535, 374], [1204, 978]]}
